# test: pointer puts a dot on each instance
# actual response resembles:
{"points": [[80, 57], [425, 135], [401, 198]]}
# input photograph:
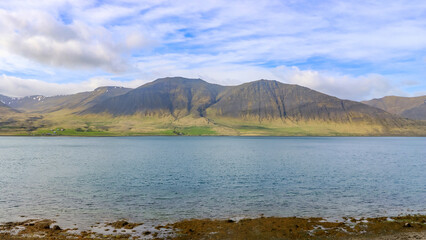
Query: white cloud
{"points": [[41, 37], [19, 87], [342, 86], [228, 42], [272, 30]]}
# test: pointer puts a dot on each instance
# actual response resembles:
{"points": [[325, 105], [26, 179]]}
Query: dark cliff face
{"points": [[176, 96]]}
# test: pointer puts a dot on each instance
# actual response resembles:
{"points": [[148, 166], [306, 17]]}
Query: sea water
{"points": [[84, 180]]}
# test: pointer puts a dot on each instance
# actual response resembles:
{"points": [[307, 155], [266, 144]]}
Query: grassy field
{"points": [[64, 123]]}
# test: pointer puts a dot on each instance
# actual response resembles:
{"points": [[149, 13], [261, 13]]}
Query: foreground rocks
{"points": [[403, 227]]}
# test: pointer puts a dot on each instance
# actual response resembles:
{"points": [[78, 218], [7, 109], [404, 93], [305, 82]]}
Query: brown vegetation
{"points": [[259, 228]]}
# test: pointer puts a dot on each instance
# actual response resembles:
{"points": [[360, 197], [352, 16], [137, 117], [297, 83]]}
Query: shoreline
{"points": [[249, 136], [400, 227]]}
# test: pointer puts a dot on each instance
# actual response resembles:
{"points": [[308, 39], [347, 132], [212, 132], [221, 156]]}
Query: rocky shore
{"points": [[401, 227]]}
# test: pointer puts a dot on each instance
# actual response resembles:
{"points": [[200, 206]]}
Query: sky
{"points": [[351, 49]]}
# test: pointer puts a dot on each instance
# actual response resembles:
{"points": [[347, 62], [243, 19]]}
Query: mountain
{"points": [[265, 100], [4, 109], [182, 106], [166, 96], [418, 113], [260, 100], [42, 104], [7, 100], [408, 107]]}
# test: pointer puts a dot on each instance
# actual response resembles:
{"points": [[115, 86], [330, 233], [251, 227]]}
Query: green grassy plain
{"points": [[137, 125]]}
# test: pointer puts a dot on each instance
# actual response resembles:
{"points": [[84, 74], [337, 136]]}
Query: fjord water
{"points": [[163, 179]]}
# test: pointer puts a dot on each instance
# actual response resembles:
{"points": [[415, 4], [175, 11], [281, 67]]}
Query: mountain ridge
{"points": [[177, 96], [184, 106], [408, 107], [5, 109], [40, 103], [275, 100]]}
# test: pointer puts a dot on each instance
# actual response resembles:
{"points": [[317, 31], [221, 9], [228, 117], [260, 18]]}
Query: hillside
{"points": [[408, 107], [181, 106], [418, 113], [167, 96], [257, 108], [4, 109], [260, 100], [42, 104], [7, 100], [265, 100], [13, 122]]}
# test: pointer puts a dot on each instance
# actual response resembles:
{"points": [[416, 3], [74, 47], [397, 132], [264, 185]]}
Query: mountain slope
{"points": [[181, 106], [409, 107], [7, 100], [167, 96], [4, 109], [43, 104], [418, 113], [265, 100], [260, 100]]}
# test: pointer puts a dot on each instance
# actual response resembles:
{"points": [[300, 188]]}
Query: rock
{"points": [[146, 233], [230, 221], [42, 225], [123, 224], [56, 228], [407, 225], [120, 224]]}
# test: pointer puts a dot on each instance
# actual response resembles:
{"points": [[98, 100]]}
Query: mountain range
{"points": [[5, 109], [182, 106], [408, 107], [38, 103]]}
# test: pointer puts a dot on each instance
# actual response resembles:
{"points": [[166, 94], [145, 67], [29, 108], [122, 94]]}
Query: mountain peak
{"points": [[180, 80], [104, 88], [194, 101], [176, 96]]}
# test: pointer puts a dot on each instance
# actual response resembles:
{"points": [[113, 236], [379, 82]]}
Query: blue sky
{"points": [[350, 49]]}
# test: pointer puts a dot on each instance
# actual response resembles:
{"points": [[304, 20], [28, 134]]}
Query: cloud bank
{"points": [[18, 87], [351, 49]]}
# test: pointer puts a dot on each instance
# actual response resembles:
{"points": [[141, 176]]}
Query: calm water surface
{"points": [[88, 180]]}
